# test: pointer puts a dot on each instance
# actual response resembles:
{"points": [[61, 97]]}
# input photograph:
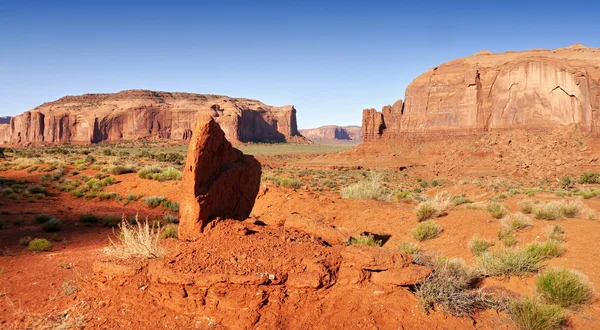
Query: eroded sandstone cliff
{"points": [[531, 90], [333, 133], [142, 114]]}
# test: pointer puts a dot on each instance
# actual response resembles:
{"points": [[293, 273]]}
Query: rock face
{"points": [[218, 180], [141, 114], [333, 133], [534, 90]]}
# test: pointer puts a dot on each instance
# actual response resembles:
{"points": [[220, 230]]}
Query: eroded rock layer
{"points": [[141, 114], [333, 133], [532, 90]]}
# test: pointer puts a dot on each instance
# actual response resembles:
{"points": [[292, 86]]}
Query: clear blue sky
{"points": [[331, 59]]}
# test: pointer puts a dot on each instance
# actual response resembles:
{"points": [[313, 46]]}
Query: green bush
{"points": [[409, 248], [555, 233], [526, 206], [41, 218], [497, 210], [516, 222], [169, 231], [24, 241], [110, 221], [426, 230], [460, 199], [548, 211], [170, 218], [51, 225], [118, 170], [404, 196], [88, 218], [589, 178], [529, 314], [170, 205], [39, 245], [367, 240], [479, 246], [154, 201], [427, 210], [565, 182], [570, 209], [518, 261], [563, 287]]}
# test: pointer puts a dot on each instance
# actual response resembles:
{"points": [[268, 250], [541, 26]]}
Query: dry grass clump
{"points": [[526, 206], [529, 314], [519, 261], [426, 230], [516, 222], [555, 233], [369, 189], [169, 231], [555, 210], [450, 288], [497, 210], [432, 208], [563, 287], [409, 248], [479, 246], [571, 209], [460, 199], [365, 239], [139, 240]]}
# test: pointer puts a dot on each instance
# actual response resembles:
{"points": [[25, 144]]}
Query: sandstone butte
{"points": [[218, 180], [537, 90], [142, 114], [333, 133]]}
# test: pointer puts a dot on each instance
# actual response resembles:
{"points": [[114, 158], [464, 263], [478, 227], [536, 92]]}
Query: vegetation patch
{"points": [[529, 314], [138, 240], [39, 245], [426, 230], [369, 189], [497, 210], [365, 239], [563, 287], [479, 246], [52, 225], [516, 222]]}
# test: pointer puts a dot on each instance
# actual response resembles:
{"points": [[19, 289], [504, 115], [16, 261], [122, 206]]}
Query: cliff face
{"points": [[333, 133], [533, 90], [139, 114]]}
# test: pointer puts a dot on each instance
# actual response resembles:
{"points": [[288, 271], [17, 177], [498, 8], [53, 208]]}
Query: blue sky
{"points": [[331, 59]]}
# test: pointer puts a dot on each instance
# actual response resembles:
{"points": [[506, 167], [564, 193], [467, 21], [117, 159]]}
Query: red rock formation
{"points": [[333, 133], [532, 90], [218, 180], [139, 114]]}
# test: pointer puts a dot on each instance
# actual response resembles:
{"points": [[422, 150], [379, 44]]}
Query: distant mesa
{"points": [[537, 90], [5, 120], [149, 115], [333, 133]]}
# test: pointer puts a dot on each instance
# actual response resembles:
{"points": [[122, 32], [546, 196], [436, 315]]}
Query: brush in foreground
{"points": [[139, 240], [563, 287], [426, 230], [529, 314], [370, 188]]}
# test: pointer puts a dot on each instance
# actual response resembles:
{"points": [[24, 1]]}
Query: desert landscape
{"points": [[472, 203]]}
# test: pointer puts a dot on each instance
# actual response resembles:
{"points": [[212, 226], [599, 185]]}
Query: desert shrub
{"points": [[154, 201], [132, 197], [427, 210], [139, 240], [39, 245], [449, 288], [548, 211], [88, 218], [170, 218], [37, 189], [94, 184], [118, 170], [24, 241], [529, 314], [555, 233], [51, 225], [41, 218], [18, 221], [147, 172], [479, 246], [168, 174], [565, 182], [570, 209], [404, 196], [78, 193], [409, 248], [518, 261], [364, 239], [526, 206], [563, 287], [109, 195], [589, 178], [460, 199], [169, 231], [109, 221], [507, 237], [516, 222], [369, 189], [426, 230], [496, 210], [544, 250], [170, 205]]}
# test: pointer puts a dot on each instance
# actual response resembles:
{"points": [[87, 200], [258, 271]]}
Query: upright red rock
{"points": [[218, 180]]}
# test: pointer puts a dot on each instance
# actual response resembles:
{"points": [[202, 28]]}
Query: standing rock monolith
{"points": [[218, 180]]}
